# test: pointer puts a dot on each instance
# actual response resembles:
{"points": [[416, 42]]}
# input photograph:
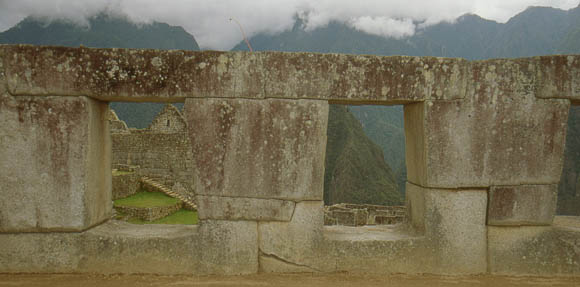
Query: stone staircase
{"points": [[154, 186]]}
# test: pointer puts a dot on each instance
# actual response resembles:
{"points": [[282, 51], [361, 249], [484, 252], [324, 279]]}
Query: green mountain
{"points": [[105, 31], [355, 169], [535, 31]]}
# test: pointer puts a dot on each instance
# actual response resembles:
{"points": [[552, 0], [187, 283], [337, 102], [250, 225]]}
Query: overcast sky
{"points": [[208, 20]]}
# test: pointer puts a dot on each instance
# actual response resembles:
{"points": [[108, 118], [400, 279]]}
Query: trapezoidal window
{"points": [[569, 188], [152, 164], [365, 173]]}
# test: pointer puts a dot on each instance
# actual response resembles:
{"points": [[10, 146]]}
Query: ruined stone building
{"points": [[162, 151]]}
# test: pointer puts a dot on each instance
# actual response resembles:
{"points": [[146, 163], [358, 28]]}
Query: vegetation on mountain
{"points": [[355, 169], [103, 31]]}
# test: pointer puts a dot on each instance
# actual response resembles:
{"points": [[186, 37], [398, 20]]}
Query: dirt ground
{"points": [[331, 280]]}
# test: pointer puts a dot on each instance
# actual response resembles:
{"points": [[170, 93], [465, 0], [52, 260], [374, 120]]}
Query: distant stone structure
{"points": [[125, 180], [363, 214], [162, 151], [115, 124], [484, 148]]}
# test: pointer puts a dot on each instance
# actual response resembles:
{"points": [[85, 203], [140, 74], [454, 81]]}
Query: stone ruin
{"points": [[161, 152], [484, 147], [363, 214]]}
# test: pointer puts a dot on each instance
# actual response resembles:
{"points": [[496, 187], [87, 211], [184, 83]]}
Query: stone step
{"points": [[162, 188]]}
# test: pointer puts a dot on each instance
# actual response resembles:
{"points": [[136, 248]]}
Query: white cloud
{"points": [[208, 20], [383, 26]]}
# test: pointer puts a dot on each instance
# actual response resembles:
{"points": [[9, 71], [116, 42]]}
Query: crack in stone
{"points": [[276, 257]]}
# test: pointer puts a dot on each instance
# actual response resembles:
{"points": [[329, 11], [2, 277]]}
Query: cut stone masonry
{"points": [[484, 143]]}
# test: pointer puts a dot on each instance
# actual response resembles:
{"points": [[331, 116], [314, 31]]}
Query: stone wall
{"points": [[169, 120], [484, 143], [125, 182], [363, 214], [163, 151], [164, 157]]}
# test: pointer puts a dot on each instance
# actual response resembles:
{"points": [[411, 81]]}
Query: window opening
{"points": [[365, 174], [152, 163], [569, 187]]}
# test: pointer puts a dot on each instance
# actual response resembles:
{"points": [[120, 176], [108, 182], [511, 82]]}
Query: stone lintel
{"points": [[522, 205], [172, 76], [240, 208], [272, 149]]}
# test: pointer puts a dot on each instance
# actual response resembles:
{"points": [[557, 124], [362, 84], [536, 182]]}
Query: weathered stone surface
{"points": [[271, 264], [558, 77], [350, 78], [522, 205], [415, 202], [239, 208], [125, 184], [258, 148], [378, 250], [149, 75], [298, 242], [454, 222], [3, 83], [534, 250], [55, 166], [500, 134], [222, 247]]}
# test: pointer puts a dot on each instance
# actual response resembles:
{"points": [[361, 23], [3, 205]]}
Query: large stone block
{"points": [[297, 245], [214, 247], [522, 205], [55, 171], [258, 148], [40, 252], [375, 251], [363, 78], [534, 250], [558, 77], [152, 75], [500, 134], [222, 247], [454, 222], [240, 208]]}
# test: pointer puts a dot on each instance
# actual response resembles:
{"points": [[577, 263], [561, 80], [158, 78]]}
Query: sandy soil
{"points": [[333, 280]]}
